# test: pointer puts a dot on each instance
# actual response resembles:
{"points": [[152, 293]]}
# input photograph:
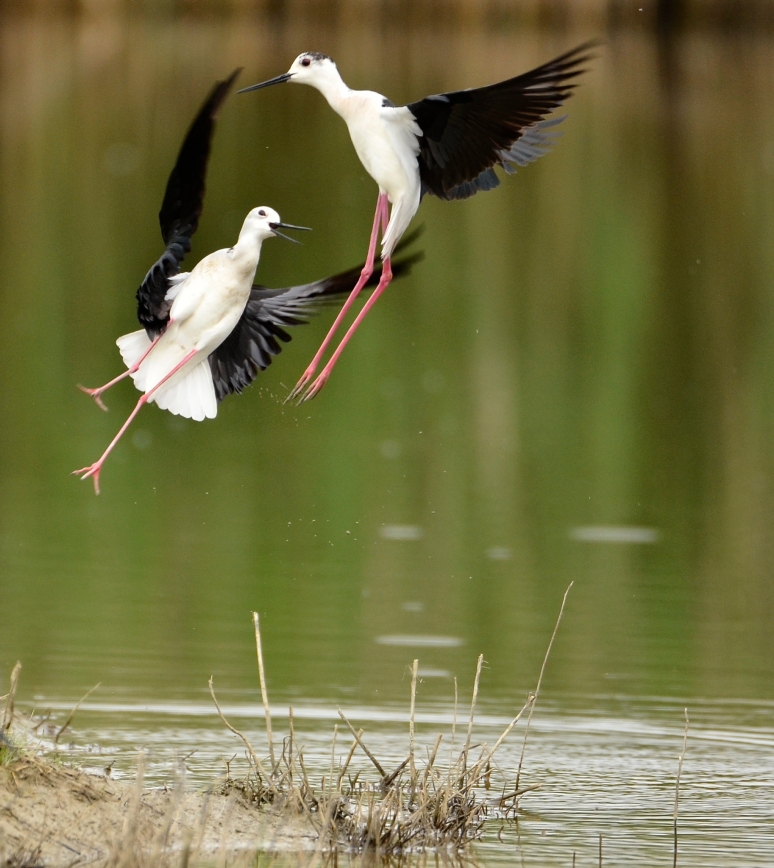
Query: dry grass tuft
{"points": [[382, 815], [411, 809]]}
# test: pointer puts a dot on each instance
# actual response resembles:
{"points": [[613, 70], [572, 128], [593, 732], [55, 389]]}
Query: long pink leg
{"points": [[94, 469], [380, 219], [326, 371], [95, 393]]}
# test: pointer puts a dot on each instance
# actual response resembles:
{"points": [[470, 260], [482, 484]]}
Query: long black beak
{"points": [[275, 226], [279, 79]]}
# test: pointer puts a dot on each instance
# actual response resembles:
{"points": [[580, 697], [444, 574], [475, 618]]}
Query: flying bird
{"points": [[206, 334], [447, 145]]}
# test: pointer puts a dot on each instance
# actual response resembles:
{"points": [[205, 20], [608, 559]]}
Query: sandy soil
{"points": [[52, 815]]}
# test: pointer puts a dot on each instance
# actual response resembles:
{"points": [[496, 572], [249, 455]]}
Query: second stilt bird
{"points": [[447, 145]]}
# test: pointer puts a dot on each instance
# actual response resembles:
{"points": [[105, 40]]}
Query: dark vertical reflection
{"points": [[703, 355], [670, 18]]}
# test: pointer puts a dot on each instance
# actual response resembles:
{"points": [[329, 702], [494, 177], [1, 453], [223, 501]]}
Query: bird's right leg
{"points": [[322, 379], [381, 218], [95, 469], [96, 393]]}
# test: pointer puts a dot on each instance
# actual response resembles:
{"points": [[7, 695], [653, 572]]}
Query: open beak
{"points": [[279, 79], [275, 226]]}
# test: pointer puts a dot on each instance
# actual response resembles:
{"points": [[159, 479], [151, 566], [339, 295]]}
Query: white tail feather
{"points": [[401, 214], [132, 346], [193, 396]]}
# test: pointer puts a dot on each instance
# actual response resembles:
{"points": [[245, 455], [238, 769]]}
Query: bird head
{"points": [[311, 67], [264, 222]]}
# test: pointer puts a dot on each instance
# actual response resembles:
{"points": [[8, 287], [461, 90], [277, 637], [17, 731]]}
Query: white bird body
{"points": [[207, 305], [173, 369], [385, 138]]}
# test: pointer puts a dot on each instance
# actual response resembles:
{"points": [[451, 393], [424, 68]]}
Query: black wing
{"points": [[255, 339], [180, 211], [468, 132]]}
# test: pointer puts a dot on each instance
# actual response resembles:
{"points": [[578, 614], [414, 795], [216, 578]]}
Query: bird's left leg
{"points": [[96, 393], [381, 217], [94, 470], [326, 371]]}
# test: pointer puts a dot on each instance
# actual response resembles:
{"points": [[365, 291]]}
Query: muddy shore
{"points": [[54, 815]]}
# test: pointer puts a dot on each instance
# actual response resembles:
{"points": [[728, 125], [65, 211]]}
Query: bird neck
{"points": [[332, 87], [247, 251]]}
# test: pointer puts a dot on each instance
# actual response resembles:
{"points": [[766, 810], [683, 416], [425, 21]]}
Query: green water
{"points": [[589, 347]]}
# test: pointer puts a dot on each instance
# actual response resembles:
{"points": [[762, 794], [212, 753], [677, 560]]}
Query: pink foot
{"points": [[315, 387], [300, 385], [95, 393], [93, 470]]}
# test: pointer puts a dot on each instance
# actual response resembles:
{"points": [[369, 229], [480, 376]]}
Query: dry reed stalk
{"points": [[487, 756], [251, 750], [540, 681], [324, 834], [677, 787], [327, 791], [348, 760], [304, 775], [367, 752], [507, 797], [473, 707], [412, 764], [393, 776], [290, 745], [453, 731], [72, 714], [264, 692], [431, 761], [9, 699]]}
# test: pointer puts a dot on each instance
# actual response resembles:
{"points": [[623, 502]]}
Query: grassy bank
{"points": [[52, 814]]}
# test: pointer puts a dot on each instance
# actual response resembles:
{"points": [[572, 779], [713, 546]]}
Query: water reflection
{"points": [[420, 641], [622, 535]]}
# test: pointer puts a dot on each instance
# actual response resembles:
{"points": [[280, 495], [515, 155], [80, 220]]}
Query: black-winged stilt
{"points": [[206, 334], [447, 145]]}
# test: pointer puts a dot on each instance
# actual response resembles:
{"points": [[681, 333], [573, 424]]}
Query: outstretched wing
{"points": [[468, 132], [256, 338], [180, 211]]}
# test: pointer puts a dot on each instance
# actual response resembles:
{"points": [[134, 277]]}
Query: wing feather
{"points": [[260, 332], [467, 133], [180, 212]]}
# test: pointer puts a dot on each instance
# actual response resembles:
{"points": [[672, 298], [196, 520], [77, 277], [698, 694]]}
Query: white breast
{"points": [[209, 304], [386, 157]]}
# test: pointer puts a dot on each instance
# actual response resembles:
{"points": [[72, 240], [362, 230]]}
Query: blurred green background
{"points": [[589, 346]]}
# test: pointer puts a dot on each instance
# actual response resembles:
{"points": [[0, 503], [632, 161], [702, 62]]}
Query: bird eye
{"points": [[305, 62], [261, 213]]}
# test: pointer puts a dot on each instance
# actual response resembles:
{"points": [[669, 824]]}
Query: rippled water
{"points": [[609, 773], [575, 385]]}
